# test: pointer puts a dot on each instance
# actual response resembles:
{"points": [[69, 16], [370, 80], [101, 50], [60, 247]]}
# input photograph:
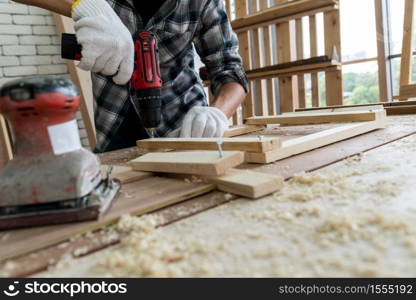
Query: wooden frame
{"points": [[313, 141]]}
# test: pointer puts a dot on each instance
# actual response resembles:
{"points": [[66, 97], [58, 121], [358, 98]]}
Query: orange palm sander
{"points": [[51, 179]]}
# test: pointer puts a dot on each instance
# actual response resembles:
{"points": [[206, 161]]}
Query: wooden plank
{"points": [[193, 162], [296, 63], [285, 10], [314, 141], [313, 35], [347, 108], [258, 62], [245, 53], [6, 153], [137, 198], [406, 62], [125, 174], [270, 87], [384, 73], [248, 184], [289, 18], [82, 79], [392, 108], [300, 56], [272, 72], [333, 79], [317, 118], [401, 110], [408, 91], [229, 144], [242, 129], [288, 94]]}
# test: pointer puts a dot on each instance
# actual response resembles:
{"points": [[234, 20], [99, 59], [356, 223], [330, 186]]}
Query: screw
{"points": [[219, 146]]}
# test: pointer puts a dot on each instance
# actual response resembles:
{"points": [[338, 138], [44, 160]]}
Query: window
{"points": [[358, 30]]}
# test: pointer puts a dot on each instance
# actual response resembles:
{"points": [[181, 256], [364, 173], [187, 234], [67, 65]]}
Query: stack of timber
{"points": [[210, 164]]}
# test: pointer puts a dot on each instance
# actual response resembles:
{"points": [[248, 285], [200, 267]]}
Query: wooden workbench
{"points": [[37, 261]]}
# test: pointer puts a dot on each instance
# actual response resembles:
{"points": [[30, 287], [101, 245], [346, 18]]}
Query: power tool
{"points": [[51, 178], [145, 83]]}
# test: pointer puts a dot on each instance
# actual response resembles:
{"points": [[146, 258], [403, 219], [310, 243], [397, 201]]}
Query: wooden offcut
{"points": [[248, 184], [315, 118], [242, 129], [260, 144], [193, 162]]}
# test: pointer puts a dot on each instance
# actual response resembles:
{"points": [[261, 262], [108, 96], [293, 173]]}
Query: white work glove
{"points": [[202, 121], [107, 45]]}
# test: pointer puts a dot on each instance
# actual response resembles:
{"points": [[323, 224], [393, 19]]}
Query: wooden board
{"points": [[315, 118], [136, 198], [242, 129], [408, 91], [126, 174], [248, 184], [271, 72], [313, 141], [193, 162], [281, 11], [261, 144], [407, 47]]}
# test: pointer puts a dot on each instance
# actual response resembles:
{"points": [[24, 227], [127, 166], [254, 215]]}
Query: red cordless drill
{"points": [[145, 83]]}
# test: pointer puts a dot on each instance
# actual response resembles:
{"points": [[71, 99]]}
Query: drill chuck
{"points": [[148, 105]]}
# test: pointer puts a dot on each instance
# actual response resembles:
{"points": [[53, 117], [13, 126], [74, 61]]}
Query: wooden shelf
{"points": [[278, 72], [299, 7]]}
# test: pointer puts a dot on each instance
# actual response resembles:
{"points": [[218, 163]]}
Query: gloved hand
{"points": [[202, 121], [107, 45]]}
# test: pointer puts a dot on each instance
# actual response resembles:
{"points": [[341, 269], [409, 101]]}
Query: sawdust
{"points": [[355, 218]]}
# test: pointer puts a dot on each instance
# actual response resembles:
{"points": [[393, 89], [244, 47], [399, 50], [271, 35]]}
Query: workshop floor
{"points": [[354, 218]]}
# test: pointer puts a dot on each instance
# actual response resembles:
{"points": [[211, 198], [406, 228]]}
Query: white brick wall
{"points": [[29, 45]]}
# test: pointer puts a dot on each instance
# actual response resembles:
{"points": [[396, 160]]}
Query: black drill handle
{"points": [[70, 49]]}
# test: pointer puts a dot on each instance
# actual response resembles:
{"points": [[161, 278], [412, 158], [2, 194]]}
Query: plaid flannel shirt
{"points": [[178, 25]]}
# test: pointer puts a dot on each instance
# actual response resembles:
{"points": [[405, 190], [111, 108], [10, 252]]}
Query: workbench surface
{"points": [[353, 218]]}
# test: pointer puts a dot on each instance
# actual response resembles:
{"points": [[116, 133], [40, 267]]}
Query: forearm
{"points": [[62, 7], [229, 98]]}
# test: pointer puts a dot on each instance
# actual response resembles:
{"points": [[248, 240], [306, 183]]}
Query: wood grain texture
{"points": [[315, 118], [384, 72], [281, 11], [407, 49], [137, 198], [248, 184], [276, 71], [228, 144], [192, 162]]}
